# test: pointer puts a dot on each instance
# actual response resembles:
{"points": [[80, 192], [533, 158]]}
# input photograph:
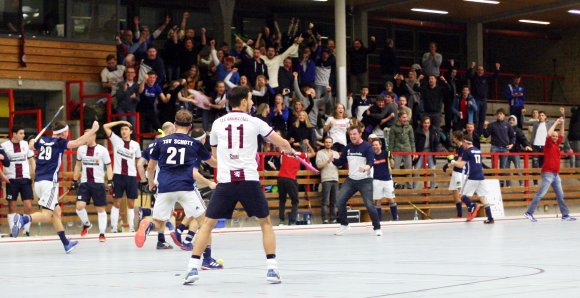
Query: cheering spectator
{"points": [[389, 62], [521, 144], [539, 135], [127, 95], [402, 139], [166, 109], [464, 109], [431, 61], [324, 67], [328, 179], [314, 101], [389, 89], [262, 91], [307, 67], [515, 95], [150, 92], [470, 131], [301, 130], [433, 96], [357, 63], [145, 36], [285, 76], [189, 55], [361, 103], [404, 108], [574, 134], [454, 89], [426, 140], [172, 50], [112, 75], [254, 66], [152, 63], [279, 115], [502, 136], [480, 85], [531, 121], [337, 126]]}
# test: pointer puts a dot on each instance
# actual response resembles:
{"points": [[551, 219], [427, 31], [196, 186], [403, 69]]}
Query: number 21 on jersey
{"points": [[172, 151]]}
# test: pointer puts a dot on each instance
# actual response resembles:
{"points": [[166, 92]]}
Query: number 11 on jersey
{"points": [[230, 135]]}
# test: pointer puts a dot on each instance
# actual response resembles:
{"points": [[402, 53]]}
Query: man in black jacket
{"points": [[521, 144], [480, 86], [357, 63], [502, 136], [432, 96], [389, 62]]}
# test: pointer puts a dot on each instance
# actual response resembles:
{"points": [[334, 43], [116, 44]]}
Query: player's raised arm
{"points": [[84, 138], [109, 126]]}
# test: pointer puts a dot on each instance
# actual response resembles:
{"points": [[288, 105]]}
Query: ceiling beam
{"points": [[526, 11], [383, 4]]}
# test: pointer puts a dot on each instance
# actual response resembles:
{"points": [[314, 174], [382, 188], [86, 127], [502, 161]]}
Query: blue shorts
{"points": [[227, 195], [96, 191], [22, 187], [125, 185]]}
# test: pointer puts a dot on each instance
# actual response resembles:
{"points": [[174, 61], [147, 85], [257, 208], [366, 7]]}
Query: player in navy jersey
{"points": [[234, 140], [458, 175], [474, 184], [48, 161], [383, 180]]}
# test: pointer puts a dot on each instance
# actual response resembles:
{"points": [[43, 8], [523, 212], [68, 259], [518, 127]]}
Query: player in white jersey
{"points": [[126, 152], [18, 174], [50, 152], [234, 140], [92, 160]]}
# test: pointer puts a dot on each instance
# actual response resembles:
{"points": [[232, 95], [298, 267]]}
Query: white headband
{"points": [[56, 132]]}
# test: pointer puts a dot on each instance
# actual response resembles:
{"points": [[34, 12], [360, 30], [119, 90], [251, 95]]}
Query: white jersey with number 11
{"points": [[236, 138]]}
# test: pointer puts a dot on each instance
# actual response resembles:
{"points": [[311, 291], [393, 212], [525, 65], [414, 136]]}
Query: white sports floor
{"points": [[443, 258]]}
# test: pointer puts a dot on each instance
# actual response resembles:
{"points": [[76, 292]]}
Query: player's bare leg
{"points": [[115, 214], [45, 216], [84, 217]]}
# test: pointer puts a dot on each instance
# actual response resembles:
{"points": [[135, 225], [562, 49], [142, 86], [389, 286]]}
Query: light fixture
{"points": [[483, 1], [574, 11], [534, 22], [429, 10]]}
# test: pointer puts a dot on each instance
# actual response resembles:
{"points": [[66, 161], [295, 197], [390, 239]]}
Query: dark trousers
{"points": [[347, 190], [329, 192], [148, 121], [287, 187], [481, 114]]}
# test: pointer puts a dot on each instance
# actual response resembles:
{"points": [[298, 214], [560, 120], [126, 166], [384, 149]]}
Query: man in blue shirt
{"points": [[48, 161], [515, 94]]}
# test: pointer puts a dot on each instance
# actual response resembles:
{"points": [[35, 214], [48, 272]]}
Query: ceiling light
{"points": [[535, 22], [429, 10], [574, 11], [483, 1]]}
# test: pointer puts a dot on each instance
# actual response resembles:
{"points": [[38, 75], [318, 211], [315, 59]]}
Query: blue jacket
{"points": [[514, 100], [471, 110]]}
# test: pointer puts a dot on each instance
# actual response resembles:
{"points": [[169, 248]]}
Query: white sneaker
{"points": [[342, 230], [378, 232]]}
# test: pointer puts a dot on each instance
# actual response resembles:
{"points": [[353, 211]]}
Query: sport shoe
{"points": [[325, 221], [86, 229], [568, 218], [273, 276], [210, 264], [378, 232], [140, 214], [472, 212], [102, 238], [18, 224], [530, 217], [164, 245], [132, 230], [191, 277], [27, 234], [187, 246], [114, 230], [144, 228], [489, 221], [70, 246], [342, 230], [176, 237]]}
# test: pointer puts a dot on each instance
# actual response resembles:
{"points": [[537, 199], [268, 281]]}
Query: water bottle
{"points": [[416, 217]]}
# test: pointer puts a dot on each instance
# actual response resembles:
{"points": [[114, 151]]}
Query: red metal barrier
{"points": [[12, 112]]}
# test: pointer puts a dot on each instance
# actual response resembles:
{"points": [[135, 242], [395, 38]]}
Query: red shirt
{"points": [[463, 107], [290, 166], [552, 155]]}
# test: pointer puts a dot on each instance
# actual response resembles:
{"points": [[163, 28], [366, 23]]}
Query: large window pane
{"points": [[42, 18], [94, 19]]}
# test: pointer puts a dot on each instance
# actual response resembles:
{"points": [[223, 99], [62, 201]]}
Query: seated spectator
{"points": [[431, 61], [150, 92], [127, 95], [464, 109], [337, 127], [361, 103], [426, 140], [521, 145], [112, 75], [152, 63], [300, 131], [389, 89], [402, 139]]}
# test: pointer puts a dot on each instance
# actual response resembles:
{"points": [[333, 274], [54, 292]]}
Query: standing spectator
{"points": [[357, 63], [432, 97], [288, 185], [279, 114], [550, 173], [470, 131], [515, 95], [144, 34], [574, 134], [502, 137], [431, 61], [531, 121], [166, 109], [254, 66], [360, 158], [464, 109], [539, 135], [127, 95], [521, 144], [426, 140], [480, 86], [307, 67], [150, 92], [130, 62], [112, 75], [301, 130], [389, 62], [336, 126], [324, 66], [152, 63], [328, 179], [404, 108], [189, 54], [454, 89], [285, 76], [402, 139], [361, 103], [313, 99], [172, 50], [389, 89]]}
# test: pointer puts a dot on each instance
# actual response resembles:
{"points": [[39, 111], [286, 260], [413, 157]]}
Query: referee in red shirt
{"points": [[550, 173]]}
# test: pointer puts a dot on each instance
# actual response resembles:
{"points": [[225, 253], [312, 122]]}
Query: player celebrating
{"points": [[457, 176], [50, 151], [472, 158], [382, 180], [18, 173], [234, 140], [92, 159], [126, 153]]}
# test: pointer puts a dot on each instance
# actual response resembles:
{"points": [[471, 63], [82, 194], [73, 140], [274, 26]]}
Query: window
{"points": [[41, 18], [94, 19]]}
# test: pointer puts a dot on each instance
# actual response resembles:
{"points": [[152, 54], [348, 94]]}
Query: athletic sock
{"points": [[379, 212], [102, 216], [161, 237], [272, 263], [26, 218], [84, 217], [189, 237], [146, 212], [181, 227], [170, 226], [63, 238], [467, 201], [459, 209], [194, 262], [11, 220], [394, 211], [207, 252], [27, 228], [131, 218], [114, 217], [488, 212]]}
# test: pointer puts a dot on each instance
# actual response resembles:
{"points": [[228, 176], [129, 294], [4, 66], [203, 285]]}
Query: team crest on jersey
{"points": [[237, 175]]}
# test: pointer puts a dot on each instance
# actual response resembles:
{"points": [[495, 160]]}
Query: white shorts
{"points": [[191, 202], [47, 193], [383, 189], [474, 186], [457, 180]]}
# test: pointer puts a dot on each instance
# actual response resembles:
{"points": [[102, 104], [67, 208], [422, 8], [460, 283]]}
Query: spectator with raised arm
{"points": [[358, 64], [150, 92], [145, 37], [152, 63], [224, 66], [324, 67], [521, 145], [389, 62], [502, 137], [431, 61], [128, 95], [539, 135], [311, 97], [190, 50], [480, 86]]}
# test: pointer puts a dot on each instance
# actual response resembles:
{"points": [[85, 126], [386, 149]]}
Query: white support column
{"points": [[340, 33], [474, 43]]}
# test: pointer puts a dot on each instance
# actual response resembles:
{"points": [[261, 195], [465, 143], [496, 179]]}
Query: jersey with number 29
{"points": [[49, 157], [236, 137], [472, 157]]}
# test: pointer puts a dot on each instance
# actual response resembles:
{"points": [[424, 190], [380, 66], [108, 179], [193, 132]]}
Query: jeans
{"points": [[407, 161], [481, 114], [550, 179], [348, 189], [329, 192], [287, 186], [430, 165], [575, 161], [515, 159], [503, 159]]}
